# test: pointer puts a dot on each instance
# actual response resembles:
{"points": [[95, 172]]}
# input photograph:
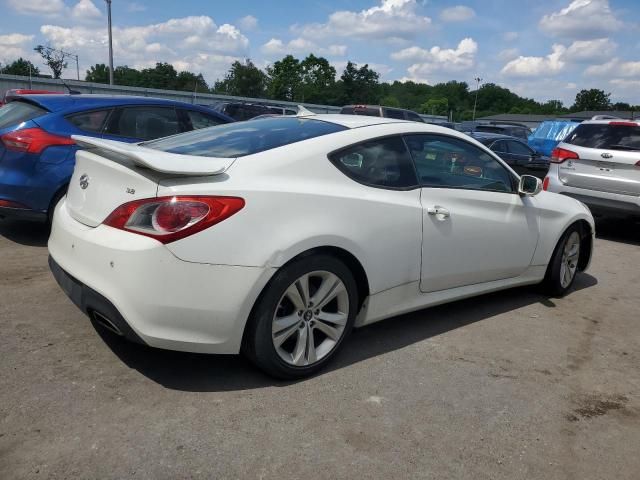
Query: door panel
{"points": [[486, 236]]}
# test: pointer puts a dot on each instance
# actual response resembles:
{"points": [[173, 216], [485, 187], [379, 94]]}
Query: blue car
{"points": [[37, 155], [549, 133]]}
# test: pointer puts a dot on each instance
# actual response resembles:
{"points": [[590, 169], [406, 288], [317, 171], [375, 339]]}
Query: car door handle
{"points": [[438, 211]]}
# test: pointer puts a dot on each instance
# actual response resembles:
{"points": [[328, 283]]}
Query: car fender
{"points": [[557, 213]]}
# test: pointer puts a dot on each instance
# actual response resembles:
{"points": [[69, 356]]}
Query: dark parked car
{"points": [[37, 155], [380, 111], [246, 111], [519, 131], [520, 156]]}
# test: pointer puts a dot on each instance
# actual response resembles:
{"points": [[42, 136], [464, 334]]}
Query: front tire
{"points": [[563, 267], [302, 318]]}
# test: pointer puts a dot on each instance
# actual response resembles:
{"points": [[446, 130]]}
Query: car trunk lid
{"points": [[108, 174], [609, 158]]}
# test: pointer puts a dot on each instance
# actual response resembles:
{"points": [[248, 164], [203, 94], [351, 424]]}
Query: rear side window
{"points": [[145, 123], [608, 136], [488, 129], [239, 138], [198, 120], [499, 146], [89, 121], [519, 148], [414, 117], [381, 163], [16, 112], [392, 113]]}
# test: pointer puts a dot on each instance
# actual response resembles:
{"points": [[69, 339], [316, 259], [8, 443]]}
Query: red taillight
{"points": [[32, 140], [168, 219], [559, 155], [545, 184]]}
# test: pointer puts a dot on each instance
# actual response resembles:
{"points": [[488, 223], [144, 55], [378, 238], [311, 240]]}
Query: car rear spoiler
{"points": [[158, 160]]}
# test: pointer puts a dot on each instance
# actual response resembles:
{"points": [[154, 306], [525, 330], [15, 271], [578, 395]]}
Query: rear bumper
{"points": [[598, 202], [152, 296]]}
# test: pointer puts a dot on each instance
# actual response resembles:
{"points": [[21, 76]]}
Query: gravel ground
{"points": [[512, 385]]}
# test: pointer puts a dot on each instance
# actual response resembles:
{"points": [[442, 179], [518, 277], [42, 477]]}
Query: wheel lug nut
{"points": [[300, 313], [317, 312]]}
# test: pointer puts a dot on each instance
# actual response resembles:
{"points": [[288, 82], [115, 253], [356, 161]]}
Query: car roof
{"points": [[609, 120], [56, 103]]}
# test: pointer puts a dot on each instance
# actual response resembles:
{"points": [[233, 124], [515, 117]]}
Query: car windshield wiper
{"points": [[623, 147]]}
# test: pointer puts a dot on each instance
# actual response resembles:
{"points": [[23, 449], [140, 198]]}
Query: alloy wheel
{"points": [[310, 318], [569, 262]]}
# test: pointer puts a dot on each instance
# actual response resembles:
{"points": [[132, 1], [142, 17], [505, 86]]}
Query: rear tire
{"points": [[302, 318], [563, 267]]}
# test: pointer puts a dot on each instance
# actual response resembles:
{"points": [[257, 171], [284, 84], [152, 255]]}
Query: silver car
{"points": [[599, 164]]}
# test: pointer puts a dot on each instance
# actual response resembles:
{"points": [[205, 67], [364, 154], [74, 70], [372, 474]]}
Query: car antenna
{"points": [[71, 92]]}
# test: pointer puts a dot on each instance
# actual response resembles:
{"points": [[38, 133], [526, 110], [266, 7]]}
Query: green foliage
{"points": [[360, 85], [53, 58], [435, 106], [98, 73], [317, 79], [593, 99], [390, 101], [20, 67], [243, 80], [285, 79]]}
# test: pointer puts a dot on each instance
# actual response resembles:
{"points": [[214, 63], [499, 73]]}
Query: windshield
{"points": [[244, 138], [606, 135]]}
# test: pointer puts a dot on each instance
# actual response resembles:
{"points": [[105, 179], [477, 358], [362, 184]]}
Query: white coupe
{"points": [[274, 237]]}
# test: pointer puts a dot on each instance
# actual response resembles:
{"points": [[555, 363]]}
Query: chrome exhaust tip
{"points": [[106, 323]]}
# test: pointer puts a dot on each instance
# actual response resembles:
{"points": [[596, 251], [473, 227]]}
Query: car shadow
{"points": [[209, 373], [30, 234], [618, 230]]}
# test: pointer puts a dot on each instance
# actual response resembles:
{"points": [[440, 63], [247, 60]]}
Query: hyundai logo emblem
{"points": [[84, 181], [606, 155]]}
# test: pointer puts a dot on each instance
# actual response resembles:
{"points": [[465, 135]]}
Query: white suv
{"points": [[599, 164]]}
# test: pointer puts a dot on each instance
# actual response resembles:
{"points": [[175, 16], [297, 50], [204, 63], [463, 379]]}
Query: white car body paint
{"points": [[196, 294]]}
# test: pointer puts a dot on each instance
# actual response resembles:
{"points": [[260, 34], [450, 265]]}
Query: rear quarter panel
{"points": [[297, 200]]}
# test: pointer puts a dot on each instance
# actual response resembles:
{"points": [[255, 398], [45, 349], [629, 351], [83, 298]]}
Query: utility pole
{"points": [[475, 102], [110, 43]]}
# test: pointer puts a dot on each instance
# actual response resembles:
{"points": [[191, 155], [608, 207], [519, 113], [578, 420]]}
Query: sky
{"points": [[542, 49]]}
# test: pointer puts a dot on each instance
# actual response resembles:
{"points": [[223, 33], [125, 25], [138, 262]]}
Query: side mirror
{"points": [[529, 185]]}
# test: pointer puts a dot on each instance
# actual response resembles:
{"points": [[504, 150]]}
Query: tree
{"points": [[21, 67], [621, 106], [190, 82], [390, 101], [360, 85], [593, 99], [243, 79], [163, 75], [98, 73], [285, 79], [435, 106], [53, 58], [318, 79]]}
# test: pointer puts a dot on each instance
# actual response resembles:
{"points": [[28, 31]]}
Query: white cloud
{"points": [[37, 7], [85, 10], [438, 59], [12, 46], [589, 51], [248, 23], [459, 13], [391, 20], [194, 41], [537, 66], [582, 19], [300, 45], [615, 67]]}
